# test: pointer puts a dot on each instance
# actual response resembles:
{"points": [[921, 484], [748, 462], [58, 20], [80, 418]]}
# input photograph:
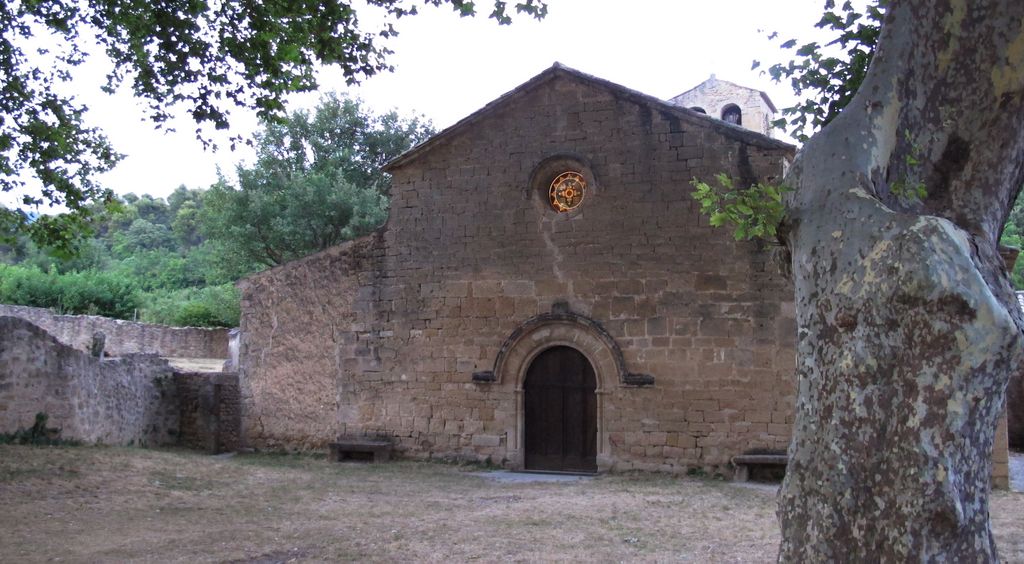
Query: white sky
{"points": [[447, 67]]}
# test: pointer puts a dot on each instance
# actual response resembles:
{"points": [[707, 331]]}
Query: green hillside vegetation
{"points": [[1013, 236], [147, 261], [174, 261]]}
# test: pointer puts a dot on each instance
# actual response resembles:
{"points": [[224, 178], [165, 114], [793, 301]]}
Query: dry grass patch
{"points": [[109, 504]]}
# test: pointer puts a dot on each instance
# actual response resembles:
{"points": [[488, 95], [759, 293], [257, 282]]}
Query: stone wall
{"points": [[383, 335], [312, 335], [210, 411], [126, 337], [125, 401]]}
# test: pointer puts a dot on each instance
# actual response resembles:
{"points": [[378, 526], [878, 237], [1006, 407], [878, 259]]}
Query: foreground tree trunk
{"points": [[908, 329]]}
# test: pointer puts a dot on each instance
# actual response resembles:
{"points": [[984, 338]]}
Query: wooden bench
{"points": [[743, 462], [365, 450]]}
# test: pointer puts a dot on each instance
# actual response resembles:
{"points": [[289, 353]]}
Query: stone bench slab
{"points": [[743, 463], [376, 451]]}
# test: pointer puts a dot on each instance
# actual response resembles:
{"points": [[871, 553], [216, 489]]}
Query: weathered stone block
{"points": [[486, 440]]}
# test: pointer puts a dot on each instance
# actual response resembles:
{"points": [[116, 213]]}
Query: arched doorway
{"points": [[560, 412]]}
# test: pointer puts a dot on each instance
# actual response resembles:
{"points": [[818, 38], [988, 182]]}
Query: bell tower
{"points": [[730, 102]]}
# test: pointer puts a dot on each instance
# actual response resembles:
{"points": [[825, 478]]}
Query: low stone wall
{"points": [[126, 337], [125, 401], [210, 417]]}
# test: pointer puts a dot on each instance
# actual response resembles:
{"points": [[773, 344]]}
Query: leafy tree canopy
{"points": [[142, 235], [316, 182], [203, 58], [829, 74]]}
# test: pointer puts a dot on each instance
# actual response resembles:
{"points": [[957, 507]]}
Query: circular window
{"points": [[567, 191], [559, 184]]}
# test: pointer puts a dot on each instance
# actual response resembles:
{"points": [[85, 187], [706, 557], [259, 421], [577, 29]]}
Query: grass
{"points": [[115, 504]]}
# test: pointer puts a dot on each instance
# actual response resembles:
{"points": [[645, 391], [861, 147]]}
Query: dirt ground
{"points": [[111, 504]]}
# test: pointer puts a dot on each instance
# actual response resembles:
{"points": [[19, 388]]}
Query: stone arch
{"points": [[549, 330], [699, 109], [563, 328], [732, 113]]}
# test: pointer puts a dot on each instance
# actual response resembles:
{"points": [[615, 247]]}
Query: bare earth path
{"points": [[109, 504]]}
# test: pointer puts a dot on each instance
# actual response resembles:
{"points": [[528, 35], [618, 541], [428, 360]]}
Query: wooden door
{"points": [[560, 408]]}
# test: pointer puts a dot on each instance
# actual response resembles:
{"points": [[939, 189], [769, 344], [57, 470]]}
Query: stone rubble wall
{"points": [[124, 401], [126, 337], [381, 336]]}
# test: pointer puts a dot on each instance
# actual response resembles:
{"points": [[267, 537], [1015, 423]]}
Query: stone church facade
{"points": [[545, 295]]}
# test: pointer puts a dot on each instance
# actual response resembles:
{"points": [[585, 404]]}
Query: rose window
{"points": [[567, 191]]}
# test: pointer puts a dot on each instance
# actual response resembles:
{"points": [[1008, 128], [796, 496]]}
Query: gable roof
{"points": [[764, 95], [560, 71]]}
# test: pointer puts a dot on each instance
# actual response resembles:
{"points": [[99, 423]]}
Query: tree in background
{"points": [[202, 58], [1013, 236], [316, 182], [184, 206], [135, 266]]}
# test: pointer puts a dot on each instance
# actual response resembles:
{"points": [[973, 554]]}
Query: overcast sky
{"points": [[447, 67]]}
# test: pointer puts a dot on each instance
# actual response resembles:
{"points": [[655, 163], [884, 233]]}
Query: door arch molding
{"points": [[574, 330], [553, 330]]}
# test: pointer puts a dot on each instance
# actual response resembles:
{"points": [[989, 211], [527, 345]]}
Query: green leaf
{"points": [[754, 211], [807, 50]]}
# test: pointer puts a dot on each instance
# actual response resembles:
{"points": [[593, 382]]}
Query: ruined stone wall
{"points": [[124, 401], [126, 337], [210, 417], [383, 336], [714, 95]]}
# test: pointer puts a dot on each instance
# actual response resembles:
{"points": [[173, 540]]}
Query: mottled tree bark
{"points": [[908, 329]]}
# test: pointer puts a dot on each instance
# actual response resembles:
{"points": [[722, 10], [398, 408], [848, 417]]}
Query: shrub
{"points": [[99, 293], [28, 287], [90, 292], [212, 306]]}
